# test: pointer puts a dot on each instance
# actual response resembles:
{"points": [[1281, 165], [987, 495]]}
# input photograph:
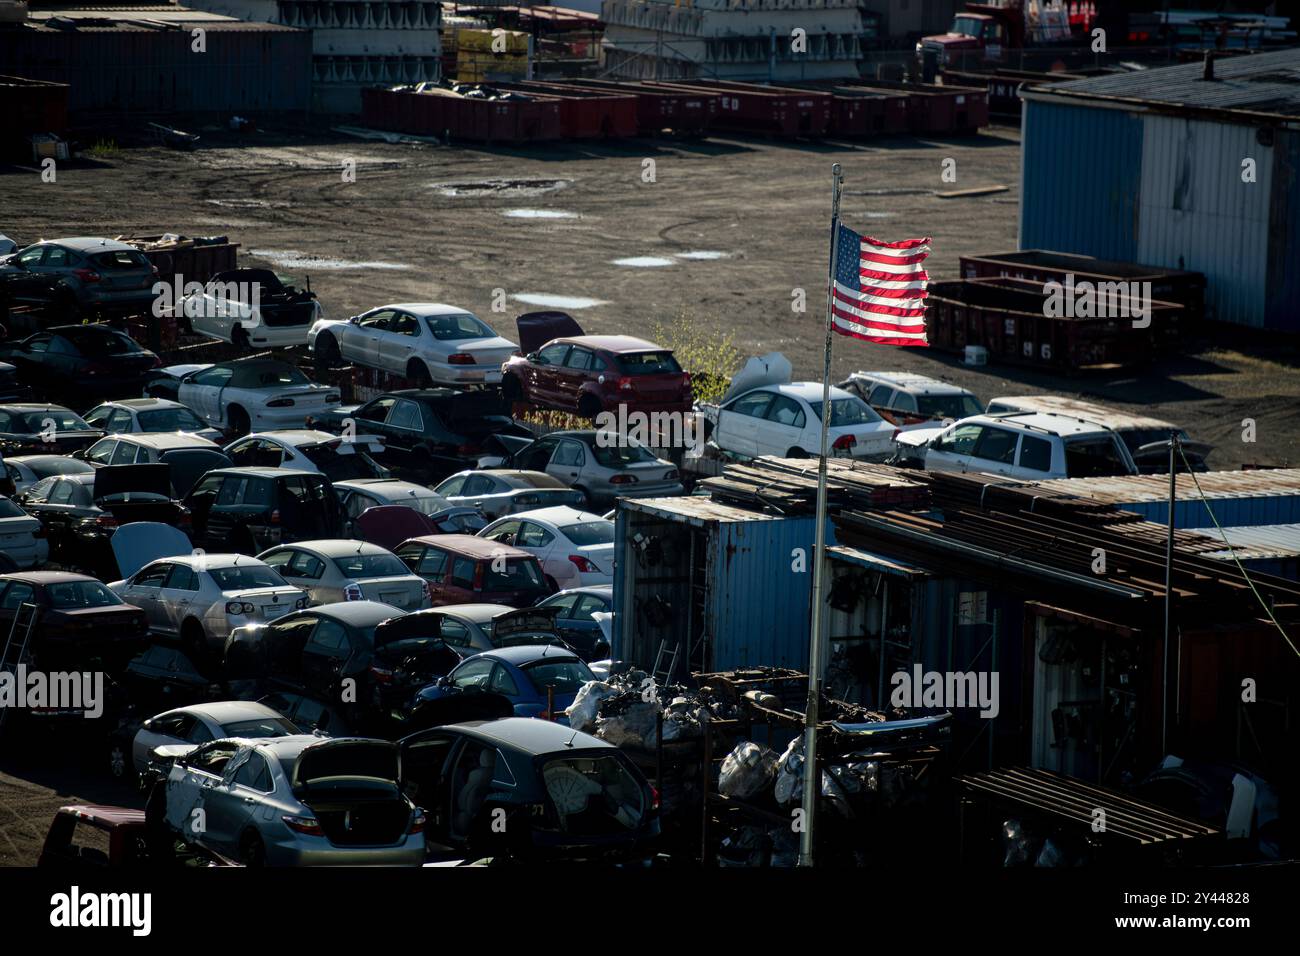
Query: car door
{"points": [[535, 457], [397, 341], [951, 449], [477, 489], [572, 375], [189, 786], [781, 428], [431, 564], [994, 451], [200, 501], [145, 589], [544, 373], [323, 657], [537, 540], [359, 341], [176, 598], [735, 431], [60, 511], [568, 461], [229, 804], [201, 391], [404, 428]]}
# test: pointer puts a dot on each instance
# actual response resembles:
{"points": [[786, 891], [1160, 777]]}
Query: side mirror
{"points": [[79, 454], [354, 319], [531, 356]]}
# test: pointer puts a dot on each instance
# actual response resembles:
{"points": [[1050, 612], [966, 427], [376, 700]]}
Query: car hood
{"points": [[538, 328], [347, 757], [136, 544], [505, 446], [148, 478], [918, 436], [770, 369]]}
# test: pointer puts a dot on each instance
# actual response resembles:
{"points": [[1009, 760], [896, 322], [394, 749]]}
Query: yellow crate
{"points": [[507, 41]]}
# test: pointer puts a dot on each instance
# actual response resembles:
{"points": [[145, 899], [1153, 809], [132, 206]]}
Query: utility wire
{"points": [[1233, 551]]}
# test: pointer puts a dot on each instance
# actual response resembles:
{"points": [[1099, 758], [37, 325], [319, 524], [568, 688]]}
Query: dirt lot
{"points": [[454, 225], [458, 224]]}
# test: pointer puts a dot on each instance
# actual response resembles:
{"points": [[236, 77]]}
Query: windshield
{"points": [[371, 566], [169, 420], [594, 794], [69, 595], [64, 421], [565, 674], [847, 411], [521, 574], [649, 363], [262, 727], [589, 532], [620, 456], [968, 26], [101, 342], [447, 328], [948, 406], [247, 577]]}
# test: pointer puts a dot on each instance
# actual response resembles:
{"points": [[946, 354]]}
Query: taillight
{"points": [[844, 442], [383, 675], [623, 480], [583, 565], [654, 798], [307, 825], [106, 521], [625, 383], [352, 593], [279, 403], [86, 275], [239, 607], [301, 603], [275, 516], [417, 823], [461, 358]]}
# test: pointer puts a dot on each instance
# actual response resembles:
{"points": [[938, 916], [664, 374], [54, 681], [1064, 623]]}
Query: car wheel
{"points": [[796, 452], [117, 759], [252, 851], [511, 390], [162, 844], [326, 352], [418, 374], [585, 503], [238, 420], [589, 406], [194, 641], [239, 338]]}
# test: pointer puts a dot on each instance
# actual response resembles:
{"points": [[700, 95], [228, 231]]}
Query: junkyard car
{"points": [[81, 620], [307, 449], [39, 428], [142, 448], [575, 547], [201, 598], [252, 509], [601, 472], [503, 491], [361, 494], [906, 398], [785, 420], [463, 569], [428, 343], [251, 308], [148, 415], [86, 360], [565, 795], [25, 470], [199, 723], [539, 680], [100, 275], [255, 393], [339, 569], [290, 801], [22, 539], [575, 623]]}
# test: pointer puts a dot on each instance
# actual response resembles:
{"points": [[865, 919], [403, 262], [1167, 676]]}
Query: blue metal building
{"points": [[1191, 167]]}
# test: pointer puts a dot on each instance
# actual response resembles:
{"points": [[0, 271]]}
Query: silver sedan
{"points": [[200, 723], [339, 569], [505, 491]]}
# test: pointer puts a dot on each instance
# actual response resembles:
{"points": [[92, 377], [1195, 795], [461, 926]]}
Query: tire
{"points": [[238, 421], [194, 641], [239, 338], [585, 504], [589, 406], [796, 452], [418, 374], [252, 851], [326, 351], [511, 390]]}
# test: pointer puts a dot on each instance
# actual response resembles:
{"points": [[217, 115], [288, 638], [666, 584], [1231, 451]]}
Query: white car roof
{"points": [[387, 487], [214, 562], [224, 711], [140, 404], [180, 371], [427, 308], [162, 441], [335, 547], [914, 382], [1079, 408], [557, 515], [808, 391], [293, 436], [1065, 426]]}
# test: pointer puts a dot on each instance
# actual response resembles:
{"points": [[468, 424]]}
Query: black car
{"points": [[82, 360], [79, 513], [39, 428], [566, 795], [81, 625], [12, 390], [429, 433], [42, 292], [248, 510]]}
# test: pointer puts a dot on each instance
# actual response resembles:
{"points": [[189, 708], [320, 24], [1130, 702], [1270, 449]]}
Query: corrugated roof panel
{"points": [[1267, 541]]}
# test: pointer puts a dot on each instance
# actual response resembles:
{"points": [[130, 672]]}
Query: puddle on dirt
{"points": [[539, 214], [703, 254], [643, 262], [558, 301], [293, 260], [249, 203], [501, 187]]}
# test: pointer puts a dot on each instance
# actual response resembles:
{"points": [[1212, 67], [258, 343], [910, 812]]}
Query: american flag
{"points": [[879, 289]]}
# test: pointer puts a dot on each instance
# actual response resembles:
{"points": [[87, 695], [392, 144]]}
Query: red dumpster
{"points": [[584, 113], [857, 111], [685, 110], [937, 110], [767, 110]]}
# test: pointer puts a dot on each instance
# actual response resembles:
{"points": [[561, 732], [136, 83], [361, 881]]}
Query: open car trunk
{"points": [[352, 786], [538, 328]]}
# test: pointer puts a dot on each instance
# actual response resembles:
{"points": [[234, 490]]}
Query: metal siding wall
{"points": [[1196, 213], [1231, 512], [1282, 298], [1080, 170]]}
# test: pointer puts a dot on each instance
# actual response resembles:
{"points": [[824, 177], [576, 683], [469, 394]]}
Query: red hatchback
{"points": [[590, 374], [464, 569]]}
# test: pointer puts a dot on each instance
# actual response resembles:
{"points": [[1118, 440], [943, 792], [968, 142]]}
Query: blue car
{"points": [[523, 675]]}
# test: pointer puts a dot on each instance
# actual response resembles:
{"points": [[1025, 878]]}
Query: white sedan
{"points": [[306, 449], [785, 420], [255, 393], [148, 415], [252, 308], [576, 548], [425, 342], [342, 570]]}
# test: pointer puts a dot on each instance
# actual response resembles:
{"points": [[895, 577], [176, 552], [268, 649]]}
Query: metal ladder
{"points": [[20, 637], [662, 677]]}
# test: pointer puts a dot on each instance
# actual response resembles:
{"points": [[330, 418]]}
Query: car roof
{"points": [[556, 515], [612, 343], [527, 734], [1064, 426], [472, 546], [46, 577], [1079, 408], [25, 407], [140, 403], [808, 391], [914, 382], [528, 653], [604, 590], [223, 710], [478, 613], [30, 460], [164, 440], [295, 436], [264, 472], [358, 613], [213, 562], [426, 308], [88, 243], [336, 547], [393, 487]]}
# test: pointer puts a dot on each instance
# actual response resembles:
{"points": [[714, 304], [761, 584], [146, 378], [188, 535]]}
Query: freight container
{"points": [[765, 110], [441, 112], [194, 260], [1004, 85], [687, 111], [586, 114], [859, 112], [721, 586], [938, 110], [1009, 318]]}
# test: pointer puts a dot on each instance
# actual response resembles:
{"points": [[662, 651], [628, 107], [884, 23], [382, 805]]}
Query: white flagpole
{"points": [[811, 777]]}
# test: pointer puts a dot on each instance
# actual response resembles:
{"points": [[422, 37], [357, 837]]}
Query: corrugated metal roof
{"points": [[872, 560], [1215, 484], [696, 508], [1254, 83], [1251, 543]]}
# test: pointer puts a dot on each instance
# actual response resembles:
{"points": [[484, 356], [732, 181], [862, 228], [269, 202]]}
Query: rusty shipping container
{"points": [[938, 110], [766, 110], [1009, 318], [687, 111], [585, 114], [858, 112]]}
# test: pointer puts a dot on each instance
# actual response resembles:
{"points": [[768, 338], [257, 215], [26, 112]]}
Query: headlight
{"points": [[239, 607]]}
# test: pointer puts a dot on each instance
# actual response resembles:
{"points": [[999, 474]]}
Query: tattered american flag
{"points": [[879, 289]]}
